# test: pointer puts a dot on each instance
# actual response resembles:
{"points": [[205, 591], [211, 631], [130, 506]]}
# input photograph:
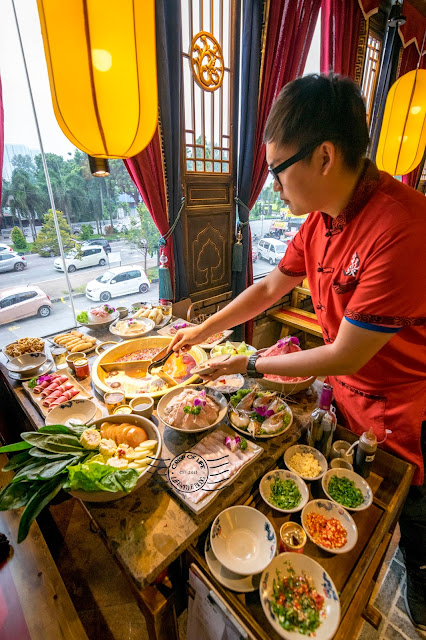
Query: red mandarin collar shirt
{"points": [[368, 266]]}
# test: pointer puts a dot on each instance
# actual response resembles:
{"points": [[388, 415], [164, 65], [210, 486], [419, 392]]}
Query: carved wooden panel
{"points": [[208, 194], [208, 253]]}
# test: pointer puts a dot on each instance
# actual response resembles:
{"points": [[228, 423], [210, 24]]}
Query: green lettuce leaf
{"points": [[96, 476]]}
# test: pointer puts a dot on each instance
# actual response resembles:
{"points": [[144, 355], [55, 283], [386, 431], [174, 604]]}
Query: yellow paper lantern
{"points": [[102, 71], [403, 134]]}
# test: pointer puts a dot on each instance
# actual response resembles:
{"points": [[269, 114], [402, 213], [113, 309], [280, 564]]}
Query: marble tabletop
{"points": [[151, 527]]}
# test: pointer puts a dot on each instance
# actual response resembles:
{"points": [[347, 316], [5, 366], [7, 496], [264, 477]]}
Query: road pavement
{"points": [[61, 318], [40, 271]]}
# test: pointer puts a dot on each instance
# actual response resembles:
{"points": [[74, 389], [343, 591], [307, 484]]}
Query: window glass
{"points": [[134, 274], [270, 218], [21, 297], [121, 277], [7, 302]]}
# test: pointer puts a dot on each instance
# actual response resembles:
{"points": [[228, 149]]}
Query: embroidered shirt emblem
{"points": [[353, 268]]}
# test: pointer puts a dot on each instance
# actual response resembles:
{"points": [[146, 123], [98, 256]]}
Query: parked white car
{"points": [[118, 282], [10, 261], [91, 256], [271, 250]]}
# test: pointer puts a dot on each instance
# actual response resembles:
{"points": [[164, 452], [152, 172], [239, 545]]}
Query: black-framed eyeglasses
{"points": [[305, 151]]}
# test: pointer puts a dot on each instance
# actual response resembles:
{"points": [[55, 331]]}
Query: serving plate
{"points": [[212, 494], [218, 398], [145, 325], [230, 580], [330, 509], [37, 400], [100, 325], [263, 436], [137, 305], [171, 331], [359, 483], [270, 477], [322, 583]]}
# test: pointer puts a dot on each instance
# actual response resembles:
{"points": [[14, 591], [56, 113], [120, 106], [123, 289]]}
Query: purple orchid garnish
{"points": [[264, 412], [45, 378], [197, 402]]}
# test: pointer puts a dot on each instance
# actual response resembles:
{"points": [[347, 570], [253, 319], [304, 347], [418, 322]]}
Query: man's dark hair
{"points": [[320, 107]]}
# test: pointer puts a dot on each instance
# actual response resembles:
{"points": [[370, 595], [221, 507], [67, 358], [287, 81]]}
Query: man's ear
{"points": [[327, 157]]}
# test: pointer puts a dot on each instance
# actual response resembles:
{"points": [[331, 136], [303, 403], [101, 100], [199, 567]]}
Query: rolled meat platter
{"points": [[49, 394]]}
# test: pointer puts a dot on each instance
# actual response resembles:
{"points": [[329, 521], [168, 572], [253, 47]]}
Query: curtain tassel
{"points": [[165, 285], [237, 254]]}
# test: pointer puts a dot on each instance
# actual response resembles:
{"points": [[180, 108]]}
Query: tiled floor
{"points": [[395, 624], [106, 605]]}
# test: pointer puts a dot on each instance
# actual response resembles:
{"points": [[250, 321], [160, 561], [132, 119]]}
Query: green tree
{"points": [[18, 239], [22, 193], [47, 240], [86, 232], [142, 235]]}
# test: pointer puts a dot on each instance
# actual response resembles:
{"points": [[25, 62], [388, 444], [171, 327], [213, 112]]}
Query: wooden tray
{"points": [[212, 494], [36, 398]]}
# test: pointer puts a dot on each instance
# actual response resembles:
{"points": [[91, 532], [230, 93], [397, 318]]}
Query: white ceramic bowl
{"points": [[269, 479], [152, 433], [230, 580], [330, 509], [72, 412], [243, 540], [144, 325], [322, 583], [359, 483], [303, 449], [28, 363], [220, 400]]}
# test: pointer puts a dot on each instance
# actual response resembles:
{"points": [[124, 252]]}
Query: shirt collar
{"points": [[363, 191]]}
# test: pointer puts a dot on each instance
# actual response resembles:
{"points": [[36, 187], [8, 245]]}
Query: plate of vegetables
{"points": [[233, 348], [348, 489], [99, 463], [299, 598], [329, 526], [284, 491], [262, 414]]}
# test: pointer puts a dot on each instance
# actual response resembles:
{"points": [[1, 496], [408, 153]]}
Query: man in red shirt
{"points": [[362, 249]]}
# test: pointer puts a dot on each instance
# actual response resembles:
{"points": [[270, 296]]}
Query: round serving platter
{"points": [[22, 377]]}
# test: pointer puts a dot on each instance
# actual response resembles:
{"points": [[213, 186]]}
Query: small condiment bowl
{"points": [[243, 540], [340, 463], [330, 509], [123, 311], [72, 357], [123, 409], [145, 412], [268, 480], [27, 363], [304, 449], [359, 483]]}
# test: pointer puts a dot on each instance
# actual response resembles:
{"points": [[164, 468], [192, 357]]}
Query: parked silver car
{"points": [[12, 262]]}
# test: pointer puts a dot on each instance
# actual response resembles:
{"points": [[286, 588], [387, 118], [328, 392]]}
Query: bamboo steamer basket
{"points": [[124, 348]]}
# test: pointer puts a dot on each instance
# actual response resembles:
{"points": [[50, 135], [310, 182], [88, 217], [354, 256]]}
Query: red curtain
{"points": [[146, 171], [413, 31], [340, 30], [1, 139], [291, 25]]}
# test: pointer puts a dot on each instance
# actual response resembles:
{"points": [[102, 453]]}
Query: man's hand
{"points": [[236, 364], [185, 338]]}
